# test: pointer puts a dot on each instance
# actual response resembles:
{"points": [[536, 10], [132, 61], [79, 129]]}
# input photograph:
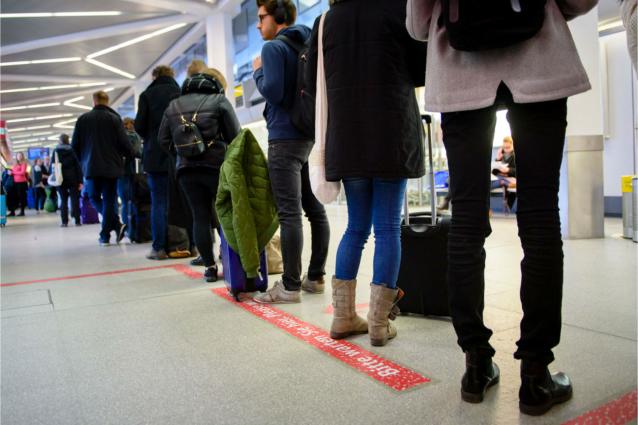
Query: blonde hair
{"points": [[508, 139], [216, 74], [197, 66]]}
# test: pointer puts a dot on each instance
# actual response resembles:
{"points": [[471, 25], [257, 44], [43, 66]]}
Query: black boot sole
{"points": [[478, 397], [541, 409]]}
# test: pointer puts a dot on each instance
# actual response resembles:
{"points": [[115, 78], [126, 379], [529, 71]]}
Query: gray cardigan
{"points": [[545, 67]]}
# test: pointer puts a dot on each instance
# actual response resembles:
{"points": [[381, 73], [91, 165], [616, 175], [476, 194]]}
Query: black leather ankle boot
{"points": [[480, 374], [540, 390]]}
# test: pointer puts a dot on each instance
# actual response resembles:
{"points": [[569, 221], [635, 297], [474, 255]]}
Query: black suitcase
{"points": [[423, 271]]}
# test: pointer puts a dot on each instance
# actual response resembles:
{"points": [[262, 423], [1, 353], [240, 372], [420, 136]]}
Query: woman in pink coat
{"points": [[532, 79], [20, 179]]}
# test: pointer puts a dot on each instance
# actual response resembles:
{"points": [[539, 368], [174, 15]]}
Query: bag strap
{"points": [[297, 47], [194, 118]]}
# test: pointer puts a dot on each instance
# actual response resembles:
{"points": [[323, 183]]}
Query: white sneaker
{"points": [[278, 295]]}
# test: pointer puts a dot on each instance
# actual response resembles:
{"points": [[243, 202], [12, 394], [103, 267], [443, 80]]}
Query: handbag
{"points": [[325, 191], [273, 256], [56, 178]]}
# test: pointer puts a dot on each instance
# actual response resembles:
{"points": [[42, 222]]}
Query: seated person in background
{"points": [[505, 169]]}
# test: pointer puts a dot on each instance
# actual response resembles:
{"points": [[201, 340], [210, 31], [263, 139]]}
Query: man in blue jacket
{"points": [[288, 150]]}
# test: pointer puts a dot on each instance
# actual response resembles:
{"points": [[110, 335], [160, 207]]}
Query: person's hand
{"points": [[256, 63]]}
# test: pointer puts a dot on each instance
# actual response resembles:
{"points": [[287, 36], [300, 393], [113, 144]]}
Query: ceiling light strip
{"points": [[110, 68], [59, 14], [42, 105], [45, 117], [136, 40], [71, 103], [39, 61], [58, 87]]}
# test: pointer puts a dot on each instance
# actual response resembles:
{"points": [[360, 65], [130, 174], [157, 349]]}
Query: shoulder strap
{"points": [[194, 119], [297, 47]]}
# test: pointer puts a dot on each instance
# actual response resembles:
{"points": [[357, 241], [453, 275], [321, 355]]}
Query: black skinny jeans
{"points": [[290, 182], [20, 196], [538, 130], [200, 187]]}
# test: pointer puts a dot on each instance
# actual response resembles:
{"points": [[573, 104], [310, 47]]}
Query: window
{"points": [[306, 4], [240, 30]]}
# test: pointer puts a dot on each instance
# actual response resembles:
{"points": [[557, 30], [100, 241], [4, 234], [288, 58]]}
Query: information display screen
{"points": [[34, 153]]}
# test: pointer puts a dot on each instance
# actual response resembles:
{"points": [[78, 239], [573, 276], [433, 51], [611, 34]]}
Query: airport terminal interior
{"points": [[96, 333]]}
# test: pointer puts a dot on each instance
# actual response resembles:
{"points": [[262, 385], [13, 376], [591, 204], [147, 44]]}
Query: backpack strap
{"points": [[194, 118], [297, 47]]}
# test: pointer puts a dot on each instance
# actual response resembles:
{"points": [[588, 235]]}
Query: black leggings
{"points": [[21, 196], [200, 188]]}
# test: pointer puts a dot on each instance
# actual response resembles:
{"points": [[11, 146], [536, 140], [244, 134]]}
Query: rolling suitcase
{"points": [[3, 210], [88, 213], [423, 270], [234, 274]]}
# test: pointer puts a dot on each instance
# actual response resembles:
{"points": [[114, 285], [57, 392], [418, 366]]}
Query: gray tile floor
{"points": [[155, 347]]}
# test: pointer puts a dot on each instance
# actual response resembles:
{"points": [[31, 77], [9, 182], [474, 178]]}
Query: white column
{"points": [[138, 88], [220, 47], [581, 197]]}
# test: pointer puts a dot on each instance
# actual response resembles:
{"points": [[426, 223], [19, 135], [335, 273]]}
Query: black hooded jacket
{"points": [[152, 104], [216, 121]]}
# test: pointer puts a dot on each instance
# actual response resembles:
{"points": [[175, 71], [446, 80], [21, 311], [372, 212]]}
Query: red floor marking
{"points": [[387, 372], [189, 272], [359, 307], [617, 412], [82, 276]]}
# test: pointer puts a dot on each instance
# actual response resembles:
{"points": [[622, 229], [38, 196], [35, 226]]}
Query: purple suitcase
{"points": [[87, 211], [234, 274]]}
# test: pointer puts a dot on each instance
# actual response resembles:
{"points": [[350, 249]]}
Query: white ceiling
{"points": [[25, 39]]}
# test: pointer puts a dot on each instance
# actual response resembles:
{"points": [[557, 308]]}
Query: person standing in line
{"points": [[46, 172], [275, 73], [374, 143], [20, 174], [198, 175], [532, 79], [100, 142], [152, 104], [125, 182], [71, 181], [38, 185]]}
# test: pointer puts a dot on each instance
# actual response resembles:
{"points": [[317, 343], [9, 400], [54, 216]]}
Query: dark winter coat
{"points": [[152, 104], [372, 68], [71, 170], [216, 120], [277, 80], [100, 142]]}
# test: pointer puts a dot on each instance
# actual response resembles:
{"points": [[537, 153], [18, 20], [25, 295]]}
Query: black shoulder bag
{"points": [[187, 138]]}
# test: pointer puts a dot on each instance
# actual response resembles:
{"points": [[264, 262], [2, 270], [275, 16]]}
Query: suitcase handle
{"points": [[428, 123]]}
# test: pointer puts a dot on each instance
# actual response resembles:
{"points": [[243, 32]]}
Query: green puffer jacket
{"points": [[245, 204]]}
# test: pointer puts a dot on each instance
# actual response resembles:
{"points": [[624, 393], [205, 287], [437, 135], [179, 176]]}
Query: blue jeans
{"points": [[158, 183], [124, 191], [103, 194], [372, 202]]}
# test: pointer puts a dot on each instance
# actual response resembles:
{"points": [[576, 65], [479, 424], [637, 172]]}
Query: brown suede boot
{"points": [[383, 308], [345, 321]]}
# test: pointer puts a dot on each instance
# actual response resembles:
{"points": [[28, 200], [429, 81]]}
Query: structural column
{"points": [[220, 47], [581, 188]]}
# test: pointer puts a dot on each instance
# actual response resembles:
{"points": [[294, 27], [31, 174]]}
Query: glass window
{"points": [[306, 4], [240, 31]]}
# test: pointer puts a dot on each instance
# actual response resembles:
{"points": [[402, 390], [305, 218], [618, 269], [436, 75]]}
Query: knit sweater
{"points": [[542, 68]]}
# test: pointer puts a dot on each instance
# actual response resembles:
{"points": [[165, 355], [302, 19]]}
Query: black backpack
{"points": [[474, 25], [187, 138], [302, 105]]}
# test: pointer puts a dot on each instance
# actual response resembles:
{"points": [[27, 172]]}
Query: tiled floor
{"points": [[157, 347]]}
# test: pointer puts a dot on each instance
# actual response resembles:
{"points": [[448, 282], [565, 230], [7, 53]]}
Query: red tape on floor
{"points": [[617, 412], [83, 276], [384, 371]]}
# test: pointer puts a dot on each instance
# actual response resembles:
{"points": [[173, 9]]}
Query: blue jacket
{"points": [[276, 81]]}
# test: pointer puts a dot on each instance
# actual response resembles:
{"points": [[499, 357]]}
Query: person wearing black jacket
{"points": [[71, 181], [199, 175], [100, 143], [152, 104], [374, 143]]}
